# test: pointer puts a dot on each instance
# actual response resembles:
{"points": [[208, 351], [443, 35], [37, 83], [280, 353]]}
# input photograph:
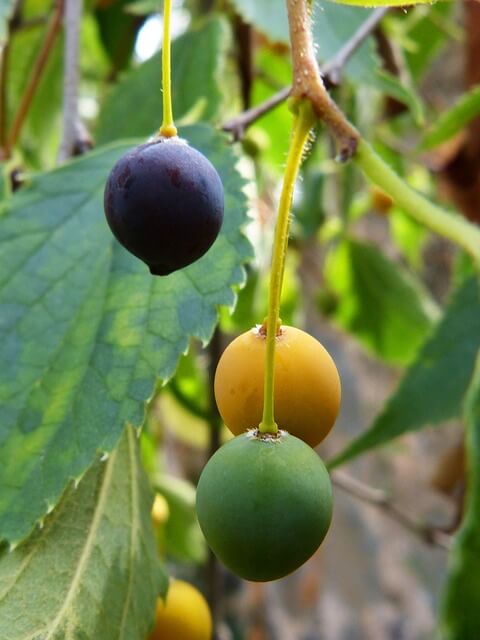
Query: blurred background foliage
{"points": [[398, 308]]}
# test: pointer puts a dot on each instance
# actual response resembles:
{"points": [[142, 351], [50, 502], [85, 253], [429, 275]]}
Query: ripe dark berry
{"points": [[164, 203]]}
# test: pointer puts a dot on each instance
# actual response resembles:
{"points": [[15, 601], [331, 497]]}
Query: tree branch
{"points": [[427, 533], [36, 74], [331, 72]]}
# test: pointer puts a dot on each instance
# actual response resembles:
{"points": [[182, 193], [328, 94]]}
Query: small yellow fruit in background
{"points": [[184, 615], [160, 510]]}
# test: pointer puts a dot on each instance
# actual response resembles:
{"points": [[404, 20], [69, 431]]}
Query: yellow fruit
{"points": [[160, 510], [307, 385], [184, 615]]}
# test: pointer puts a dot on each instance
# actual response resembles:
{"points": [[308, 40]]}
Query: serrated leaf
{"points": [[433, 388], [379, 302], [92, 570], [460, 616], [453, 120], [134, 107], [84, 328]]}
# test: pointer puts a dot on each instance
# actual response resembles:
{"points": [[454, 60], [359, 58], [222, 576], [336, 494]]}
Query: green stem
{"points": [[168, 129], [448, 225], [302, 123]]}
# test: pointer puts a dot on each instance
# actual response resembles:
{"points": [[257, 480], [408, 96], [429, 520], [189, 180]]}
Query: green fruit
{"points": [[264, 504]]}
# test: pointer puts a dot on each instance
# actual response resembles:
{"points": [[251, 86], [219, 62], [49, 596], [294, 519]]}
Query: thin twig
{"points": [[330, 71], [72, 21], [239, 124], [427, 533], [36, 74]]}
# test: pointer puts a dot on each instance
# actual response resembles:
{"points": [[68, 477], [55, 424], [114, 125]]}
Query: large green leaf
{"points": [[434, 386], [134, 107], [84, 328], [91, 571], [453, 120], [460, 618], [379, 302]]}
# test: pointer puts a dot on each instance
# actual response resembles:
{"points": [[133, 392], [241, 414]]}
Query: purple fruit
{"points": [[164, 203]]}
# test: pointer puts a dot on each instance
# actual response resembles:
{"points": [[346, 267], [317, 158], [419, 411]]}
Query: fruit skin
{"points": [[164, 203], [307, 385], [184, 615], [264, 504]]}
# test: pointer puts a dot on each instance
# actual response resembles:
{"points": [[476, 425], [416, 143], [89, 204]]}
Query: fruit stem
{"points": [[168, 129], [303, 120]]}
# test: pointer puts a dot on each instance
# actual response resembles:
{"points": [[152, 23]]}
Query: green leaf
{"points": [[460, 616], [91, 571], [379, 302], [268, 16], [428, 28], [7, 8], [84, 328], [134, 107], [433, 388], [453, 120], [118, 31], [391, 86], [183, 537], [333, 26], [408, 235]]}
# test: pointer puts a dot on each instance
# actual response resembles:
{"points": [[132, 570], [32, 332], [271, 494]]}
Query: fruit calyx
{"points": [[261, 329], [256, 434]]}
